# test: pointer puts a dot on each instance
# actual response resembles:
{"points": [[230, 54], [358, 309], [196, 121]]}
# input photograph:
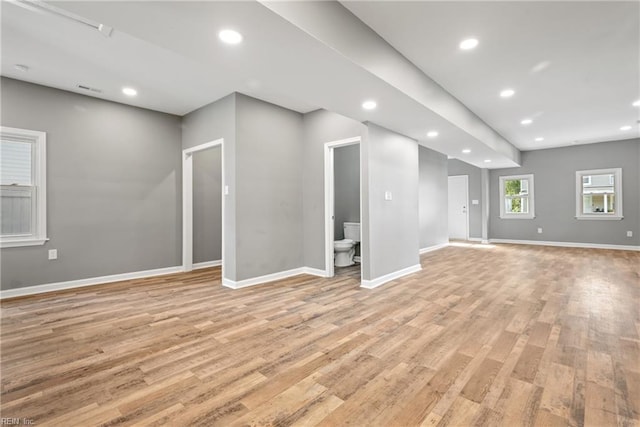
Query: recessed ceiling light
{"points": [[369, 105], [539, 139], [637, 103], [466, 151], [468, 44], [21, 67], [129, 91], [526, 122], [432, 134], [625, 128], [230, 36], [507, 93], [487, 161]]}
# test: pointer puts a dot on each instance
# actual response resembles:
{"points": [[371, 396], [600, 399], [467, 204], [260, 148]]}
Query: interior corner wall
{"points": [[555, 195], [269, 218], [320, 127], [113, 186], [392, 166], [209, 123], [458, 167], [433, 196]]}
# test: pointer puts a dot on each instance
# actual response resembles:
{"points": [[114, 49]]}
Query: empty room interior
{"points": [[320, 213]]}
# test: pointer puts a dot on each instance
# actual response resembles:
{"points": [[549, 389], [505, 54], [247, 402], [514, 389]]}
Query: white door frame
{"points": [[329, 192], [466, 183], [187, 201]]}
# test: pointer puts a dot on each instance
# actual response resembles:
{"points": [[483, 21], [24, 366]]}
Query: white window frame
{"points": [[617, 188], [39, 216], [512, 215]]}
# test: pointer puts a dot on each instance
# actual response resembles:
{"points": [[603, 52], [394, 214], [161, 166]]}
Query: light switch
{"points": [[388, 195], [226, 190], [475, 202], [53, 254], [629, 233]]}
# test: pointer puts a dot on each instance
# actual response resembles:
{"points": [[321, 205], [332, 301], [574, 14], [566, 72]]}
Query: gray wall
{"points": [[268, 150], [392, 165], [458, 167], [320, 127], [347, 187], [433, 198], [209, 123], [554, 178], [113, 186], [207, 205]]}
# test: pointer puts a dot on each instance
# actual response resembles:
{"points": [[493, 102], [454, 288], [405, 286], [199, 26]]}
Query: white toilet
{"points": [[345, 249]]}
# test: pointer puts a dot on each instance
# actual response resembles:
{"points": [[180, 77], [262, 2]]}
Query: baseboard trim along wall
{"points": [[207, 264], [370, 284], [433, 248], [568, 244], [92, 281], [272, 277]]}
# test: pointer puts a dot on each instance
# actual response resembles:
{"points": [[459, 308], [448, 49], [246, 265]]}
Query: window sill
{"points": [[16, 243], [517, 217], [600, 218]]}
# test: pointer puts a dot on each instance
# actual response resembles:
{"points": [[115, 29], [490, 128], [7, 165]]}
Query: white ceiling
{"points": [[170, 53], [575, 66]]}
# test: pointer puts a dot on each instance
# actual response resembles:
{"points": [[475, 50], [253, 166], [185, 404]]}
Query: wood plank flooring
{"points": [[488, 336]]}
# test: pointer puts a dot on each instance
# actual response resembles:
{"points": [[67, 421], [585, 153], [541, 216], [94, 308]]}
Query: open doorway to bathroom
{"points": [[203, 206], [343, 204]]}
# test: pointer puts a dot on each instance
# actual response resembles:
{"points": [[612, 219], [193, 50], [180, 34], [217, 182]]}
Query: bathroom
{"points": [[347, 210]]}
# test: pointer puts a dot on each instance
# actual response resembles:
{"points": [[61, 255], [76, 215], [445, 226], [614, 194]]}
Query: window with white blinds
{"points": [[22, 187]]}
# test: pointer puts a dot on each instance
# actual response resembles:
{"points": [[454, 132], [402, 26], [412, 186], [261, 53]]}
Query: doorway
{"points": [[458, 207], [330, 206], [188, 203]]}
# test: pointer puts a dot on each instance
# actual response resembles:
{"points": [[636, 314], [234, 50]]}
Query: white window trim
{"points": [[39, 139], [509, 215], [601, 216]]}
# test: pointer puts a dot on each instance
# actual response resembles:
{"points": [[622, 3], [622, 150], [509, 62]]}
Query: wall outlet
{"points": [[388, 195], [629, 233], [53, 254], [539, 230]]}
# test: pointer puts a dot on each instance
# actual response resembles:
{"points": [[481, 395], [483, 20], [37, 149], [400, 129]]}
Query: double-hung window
{"points": [[599, 194], [23, 192], [516, 197]]}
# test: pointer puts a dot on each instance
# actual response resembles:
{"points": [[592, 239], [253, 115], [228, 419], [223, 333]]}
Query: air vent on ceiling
{"points": [[90, 89]]}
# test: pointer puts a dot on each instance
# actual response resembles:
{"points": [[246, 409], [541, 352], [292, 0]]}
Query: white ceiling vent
{"points": [[89, 89]]}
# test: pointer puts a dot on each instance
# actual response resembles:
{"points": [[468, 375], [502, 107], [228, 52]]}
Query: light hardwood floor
{"points": [[504, 335]]}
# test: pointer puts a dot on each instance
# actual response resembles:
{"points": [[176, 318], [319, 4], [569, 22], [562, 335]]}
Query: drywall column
{"points": [[433, 198], [484, 174], [390, 216]]}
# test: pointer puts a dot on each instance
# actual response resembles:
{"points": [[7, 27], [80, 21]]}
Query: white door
{"points": [[458, 207]]}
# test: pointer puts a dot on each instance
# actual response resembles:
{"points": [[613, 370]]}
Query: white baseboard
{"points": [[265, 279], [474, 239], [71, 284], [433, 248], [568, 244], [370, 284], [314, 271], [207, 264]]}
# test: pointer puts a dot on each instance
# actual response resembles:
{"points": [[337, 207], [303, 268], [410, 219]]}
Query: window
{"points": [[599, 194], [23, 215], [516, 195]]}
